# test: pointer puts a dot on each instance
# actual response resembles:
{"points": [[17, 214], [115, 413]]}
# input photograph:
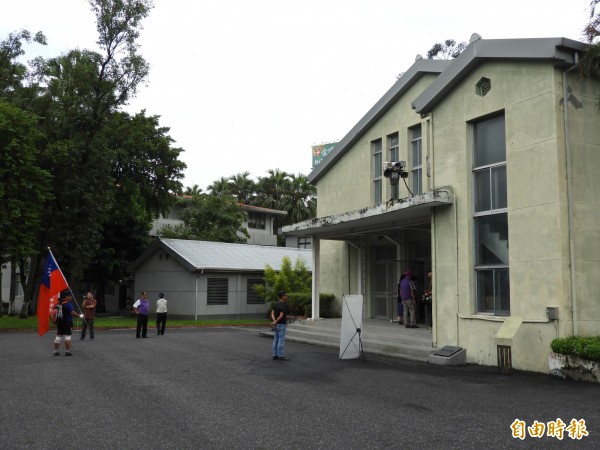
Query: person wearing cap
{"points": [[407, 294], [161, 314], [142, 309], [278, 324], [64, 322]]}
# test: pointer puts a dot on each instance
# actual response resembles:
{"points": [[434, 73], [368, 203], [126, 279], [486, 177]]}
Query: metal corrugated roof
{"points": [[204, 255]]}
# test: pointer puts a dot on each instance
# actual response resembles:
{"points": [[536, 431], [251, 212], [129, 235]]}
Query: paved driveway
{"points": [[219, 388]]}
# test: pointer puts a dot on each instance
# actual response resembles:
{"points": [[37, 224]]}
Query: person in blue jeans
{"points": [[279, 318]]}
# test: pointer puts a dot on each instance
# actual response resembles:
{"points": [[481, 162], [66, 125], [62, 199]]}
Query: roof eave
{"points": [[404, 83]]}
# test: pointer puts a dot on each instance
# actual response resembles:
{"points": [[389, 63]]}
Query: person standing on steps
{"points": [[279, 326], [407, 293]]}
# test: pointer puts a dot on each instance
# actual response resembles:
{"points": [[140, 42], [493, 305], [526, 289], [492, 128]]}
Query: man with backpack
{"points": [[63, 314]]}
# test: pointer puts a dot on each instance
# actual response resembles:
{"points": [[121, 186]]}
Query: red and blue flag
{"points": [[53, 282]]}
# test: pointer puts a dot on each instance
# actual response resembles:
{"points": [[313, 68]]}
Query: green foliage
{"points": [[210, 218], [24, 187], [448, 49], [291, 279], [301, 305], [583, 347]]}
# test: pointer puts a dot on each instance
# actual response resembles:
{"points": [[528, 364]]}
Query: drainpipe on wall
{"points": [[570, 193], [316, 266]]}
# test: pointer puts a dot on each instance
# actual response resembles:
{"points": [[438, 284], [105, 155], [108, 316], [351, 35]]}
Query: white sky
{"points": [[251, 85]]}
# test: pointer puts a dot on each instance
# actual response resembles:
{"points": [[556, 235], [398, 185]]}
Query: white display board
{"points": [[350, 343]]}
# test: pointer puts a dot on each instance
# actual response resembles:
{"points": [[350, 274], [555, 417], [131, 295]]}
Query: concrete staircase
{"points": [[379, 337]]}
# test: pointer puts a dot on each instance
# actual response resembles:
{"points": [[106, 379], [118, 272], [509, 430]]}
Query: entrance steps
{"points": [[380, 337]]}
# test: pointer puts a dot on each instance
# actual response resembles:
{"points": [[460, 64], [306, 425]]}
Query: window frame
{"points": [[377, 171], [491, 278], [416, 171]]}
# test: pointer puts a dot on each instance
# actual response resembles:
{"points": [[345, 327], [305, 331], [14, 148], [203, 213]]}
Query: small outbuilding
{"points": [[209, 279]]}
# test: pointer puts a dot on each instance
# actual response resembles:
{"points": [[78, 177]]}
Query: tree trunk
{"points": [[13, 285], [32, 275], [1, 268]]}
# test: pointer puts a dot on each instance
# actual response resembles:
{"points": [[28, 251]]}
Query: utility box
{"points": [[552, 312]]}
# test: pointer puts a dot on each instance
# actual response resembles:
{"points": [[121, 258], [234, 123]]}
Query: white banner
{"points": [[350, 343]]}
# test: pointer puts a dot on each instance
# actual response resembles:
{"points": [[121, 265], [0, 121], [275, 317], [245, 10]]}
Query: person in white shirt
{"points": [[161, 314]]}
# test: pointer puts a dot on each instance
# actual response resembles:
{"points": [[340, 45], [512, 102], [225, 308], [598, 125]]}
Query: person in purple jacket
{"points": [[142, 309]]}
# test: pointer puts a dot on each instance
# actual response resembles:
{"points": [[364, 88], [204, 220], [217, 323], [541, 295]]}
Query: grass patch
{"points": [[30, 323]]}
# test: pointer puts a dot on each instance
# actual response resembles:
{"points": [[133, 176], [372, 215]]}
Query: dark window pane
{"points": [[490, 143], [482, 190], [491, 239], [499, 187], [493, 291]]}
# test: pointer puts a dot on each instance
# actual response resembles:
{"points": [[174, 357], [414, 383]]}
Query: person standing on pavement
{"points": [[142, 309], [89, 315], [407, 294], [161, 314], [64, 322], [279, 326]]}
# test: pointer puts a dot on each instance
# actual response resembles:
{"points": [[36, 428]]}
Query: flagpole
{"points": [[63, 275]]}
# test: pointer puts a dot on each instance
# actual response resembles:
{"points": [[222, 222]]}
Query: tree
{"points": [[146, 172], [24, 187], [216, 218], [296, 279], [220, 187], [448, 49], [590, 62], [193, 190], [242, 187]]}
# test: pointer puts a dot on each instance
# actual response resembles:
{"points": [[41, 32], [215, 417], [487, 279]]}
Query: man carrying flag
{"points": [[64, 322], [53, 282]]}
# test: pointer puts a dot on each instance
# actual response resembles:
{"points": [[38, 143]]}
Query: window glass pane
{"points": [[499, 187], [377, 163], [377, 192], [482, 190], [493, 291], [490, 144], [416, 181], [491, 239]]}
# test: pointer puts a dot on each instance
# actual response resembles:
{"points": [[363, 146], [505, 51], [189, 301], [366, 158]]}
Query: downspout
{"points": [[570, 194]]}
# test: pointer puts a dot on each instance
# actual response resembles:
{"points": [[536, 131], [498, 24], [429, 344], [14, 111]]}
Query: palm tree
{"points": [[220, 186], [301, 198], [193, 191], [242, 187], [590, 62], [271, 190]]}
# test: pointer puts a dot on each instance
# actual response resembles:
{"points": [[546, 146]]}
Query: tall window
{"points": [[416, 146], [393, 152], [376, 148], [491, 217], [218, 291], [393, 155]]}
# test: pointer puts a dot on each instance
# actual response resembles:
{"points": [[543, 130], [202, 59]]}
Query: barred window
{"points": [[252, 298], [218, 291]]}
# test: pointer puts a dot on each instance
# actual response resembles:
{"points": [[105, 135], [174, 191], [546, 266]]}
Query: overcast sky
{"points": [[251, 85]]}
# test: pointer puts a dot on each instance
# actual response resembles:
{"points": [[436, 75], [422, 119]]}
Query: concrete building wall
{"points": [[350, 187], [186, 292], [529, 94]]}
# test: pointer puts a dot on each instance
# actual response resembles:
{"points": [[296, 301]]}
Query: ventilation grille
{"points": [[484, 86]]}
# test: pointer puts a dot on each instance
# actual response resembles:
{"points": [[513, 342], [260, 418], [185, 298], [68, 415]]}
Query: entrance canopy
{"points": [[380, 219]]}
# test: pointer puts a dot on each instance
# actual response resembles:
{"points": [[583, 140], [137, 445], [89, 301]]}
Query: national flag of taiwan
{"points": [[53, 282]]}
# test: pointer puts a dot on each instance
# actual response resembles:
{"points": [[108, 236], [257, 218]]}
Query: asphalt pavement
{"points": [[219, 388]]}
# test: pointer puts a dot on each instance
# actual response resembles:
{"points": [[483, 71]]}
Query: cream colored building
{"points": [[501, 199]]}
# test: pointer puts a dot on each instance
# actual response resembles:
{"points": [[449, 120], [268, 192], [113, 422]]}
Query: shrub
{"points": [[583, 347]]}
